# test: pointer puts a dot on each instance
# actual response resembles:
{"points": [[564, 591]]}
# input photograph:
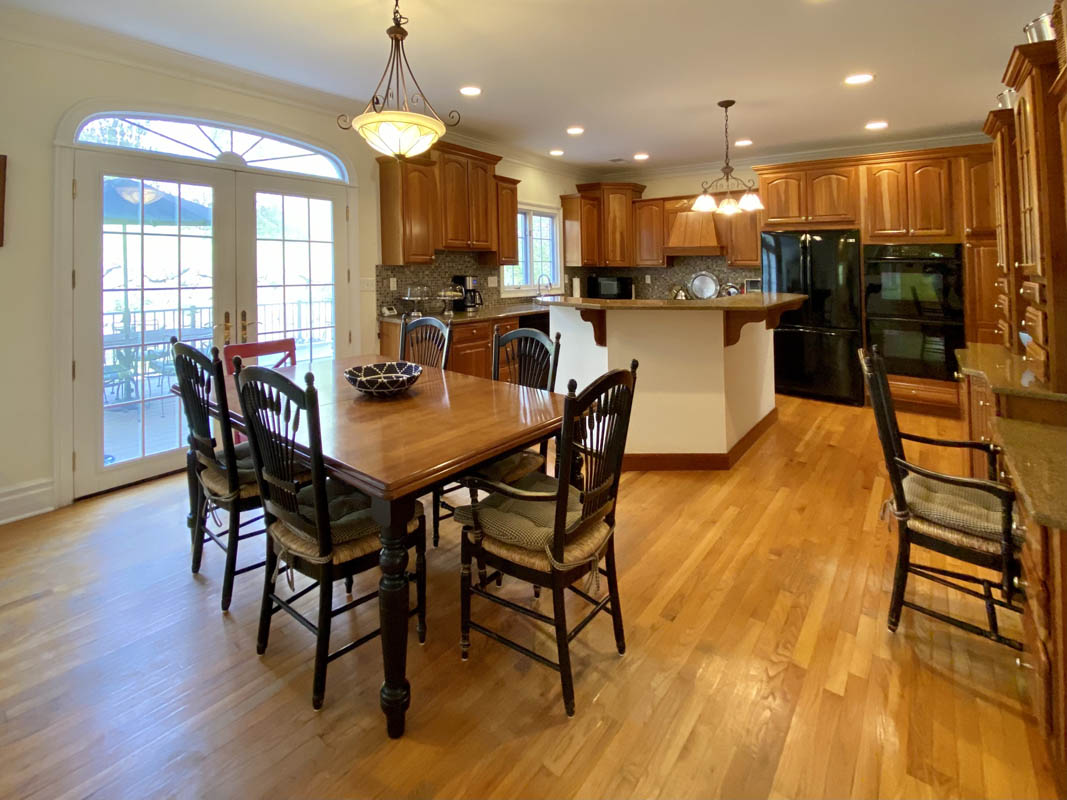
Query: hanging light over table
{"points": [[388, 123], [729, 205]]}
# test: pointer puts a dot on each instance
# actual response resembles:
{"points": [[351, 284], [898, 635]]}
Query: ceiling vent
{"points": [[616, 160]]}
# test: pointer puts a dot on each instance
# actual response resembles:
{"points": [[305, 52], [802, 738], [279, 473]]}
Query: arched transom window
{"points": [[209, 141]]}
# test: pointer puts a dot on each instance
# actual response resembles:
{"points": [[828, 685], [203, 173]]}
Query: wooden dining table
{"points": [[395, 449]]}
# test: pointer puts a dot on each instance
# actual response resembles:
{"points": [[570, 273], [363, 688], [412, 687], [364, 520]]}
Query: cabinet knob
{"points": [[957, 375], [1019, 583], [1023, 664]]}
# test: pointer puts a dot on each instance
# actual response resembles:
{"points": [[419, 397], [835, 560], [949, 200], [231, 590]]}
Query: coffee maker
{"points": [[472, 298]]}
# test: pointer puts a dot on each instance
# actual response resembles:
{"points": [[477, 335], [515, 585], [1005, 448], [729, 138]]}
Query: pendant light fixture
{"points": [[388, 122], [728, 183]]}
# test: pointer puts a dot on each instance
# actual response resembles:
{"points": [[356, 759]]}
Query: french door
{"points": [[207, 254]]}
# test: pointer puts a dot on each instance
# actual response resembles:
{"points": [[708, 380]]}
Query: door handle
{"points": [[225, 325]]}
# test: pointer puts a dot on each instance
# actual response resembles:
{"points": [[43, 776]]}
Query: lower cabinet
{"points": [[980, 406], [472, 345]]}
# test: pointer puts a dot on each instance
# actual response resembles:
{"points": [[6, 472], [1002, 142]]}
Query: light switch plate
{"points": [[493, 281], [366, 284], [392, 284], [648, 279]]}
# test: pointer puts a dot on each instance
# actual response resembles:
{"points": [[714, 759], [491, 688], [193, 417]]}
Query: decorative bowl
{"points": [[387, 379]]}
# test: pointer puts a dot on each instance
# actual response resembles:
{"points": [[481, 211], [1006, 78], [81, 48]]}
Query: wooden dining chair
{"points": [[219, 477], [525, 357], [322, 528], [425, 341], [967, 519], [286, 347], [550, 532]]}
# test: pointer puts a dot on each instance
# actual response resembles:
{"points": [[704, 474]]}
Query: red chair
{"points": [[254, 349]]}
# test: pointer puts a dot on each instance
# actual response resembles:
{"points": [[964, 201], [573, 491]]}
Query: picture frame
{"points": [[3, 184]]}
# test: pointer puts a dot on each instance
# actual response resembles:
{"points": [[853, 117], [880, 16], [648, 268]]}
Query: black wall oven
{"points": [[914, 301]]}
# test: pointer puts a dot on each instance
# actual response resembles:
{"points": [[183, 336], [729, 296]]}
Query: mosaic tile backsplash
{"points": [[446, 264]]}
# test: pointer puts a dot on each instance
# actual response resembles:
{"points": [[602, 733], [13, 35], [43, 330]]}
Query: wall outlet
{"points": [[392, 284], [493, 281], [366, 284], [648, 279]]}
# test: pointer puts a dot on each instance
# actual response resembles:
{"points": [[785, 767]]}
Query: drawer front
{"points": [[1035, 663], [507, 325], [471, 332], [1034, 324], [1004, 329], [1003, 304], [1001, 284], [1036, 358], [1033, 291]]}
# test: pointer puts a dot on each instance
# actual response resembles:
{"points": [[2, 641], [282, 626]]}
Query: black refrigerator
{"points": [[815, 346]]}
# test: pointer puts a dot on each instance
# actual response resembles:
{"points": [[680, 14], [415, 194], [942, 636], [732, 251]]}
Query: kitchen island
{"points": [[705, 386]]}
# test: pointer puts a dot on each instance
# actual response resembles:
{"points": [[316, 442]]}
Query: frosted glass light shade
{"points": [[399, 133], [750, 202], [704, 202], [728, 206]]}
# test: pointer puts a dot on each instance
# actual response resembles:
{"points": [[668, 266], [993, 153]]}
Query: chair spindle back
{"points": [[885, 417], [425, 341], [526, 357]]}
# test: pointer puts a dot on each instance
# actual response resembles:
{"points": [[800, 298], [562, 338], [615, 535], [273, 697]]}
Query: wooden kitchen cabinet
{"points": [[783, 198], [930, 212], [886, 207], [744, 247], [472, 358], [648, 233], [982, 290], [979, 206], [409, 210], [507, 207], [832, 194], [581, 231], [468, 197]]}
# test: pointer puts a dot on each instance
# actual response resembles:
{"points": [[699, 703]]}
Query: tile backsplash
{"points": [[438, 276]]}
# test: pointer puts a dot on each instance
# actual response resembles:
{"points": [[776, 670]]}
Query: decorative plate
{"points": [[703, 286], [383, 380]]}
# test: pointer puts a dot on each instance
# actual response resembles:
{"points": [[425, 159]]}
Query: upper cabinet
{"points": [[507, 207], [886, 207], [468, 198], [409, 209], [743, 239], [979, 205], [910, 199], [599, 226], [930, 199], [648, 233], [810, 196], [581, 230]]}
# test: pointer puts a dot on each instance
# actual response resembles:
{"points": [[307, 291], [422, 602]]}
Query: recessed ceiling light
{"points": [[743, 143], [555, 152], [877, 125], [640, 156], [471, 91], [859, 79], [575, 130]]}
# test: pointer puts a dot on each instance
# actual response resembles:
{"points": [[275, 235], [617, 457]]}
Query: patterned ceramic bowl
{"points": [[383, 380]]}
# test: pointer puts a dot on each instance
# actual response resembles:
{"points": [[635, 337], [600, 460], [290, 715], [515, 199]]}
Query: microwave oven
{"points": [[608, 288]]}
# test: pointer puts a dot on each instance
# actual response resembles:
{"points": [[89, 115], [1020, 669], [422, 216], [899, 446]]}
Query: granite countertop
{"points": [[481, 315], [753, 301], [1036, 455], [1006, 372]]}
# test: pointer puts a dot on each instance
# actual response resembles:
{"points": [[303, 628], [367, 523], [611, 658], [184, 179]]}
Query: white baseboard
{"points": [[26, 499]]}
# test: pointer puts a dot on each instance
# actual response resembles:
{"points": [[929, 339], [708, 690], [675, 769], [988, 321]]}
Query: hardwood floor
{"points": [[758, 661]]}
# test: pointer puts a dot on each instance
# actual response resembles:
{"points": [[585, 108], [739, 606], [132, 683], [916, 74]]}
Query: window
{"points": [[207, 141], [538, 256]]}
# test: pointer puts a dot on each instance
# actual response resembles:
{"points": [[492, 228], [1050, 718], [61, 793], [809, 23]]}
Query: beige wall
{"points": [[46, 69]]}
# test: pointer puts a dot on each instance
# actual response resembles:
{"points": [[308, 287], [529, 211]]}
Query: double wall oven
{"points": [[914, 302]]}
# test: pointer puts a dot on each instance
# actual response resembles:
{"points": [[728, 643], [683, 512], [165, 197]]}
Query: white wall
{"points": [[46, 68]]}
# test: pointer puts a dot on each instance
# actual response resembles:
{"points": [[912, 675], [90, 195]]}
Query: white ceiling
{"points": [[638, 74]]}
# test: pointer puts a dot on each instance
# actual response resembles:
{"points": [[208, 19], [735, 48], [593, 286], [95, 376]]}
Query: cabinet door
{"points": [[886, 208], [929, 198], [832, 194], [482, 197], [979, 209], [980, 289], [471, 358], [1030, 246], [743, 246], [590, 231], [419, 209], [617, 236], [455, 202], [783, 197], [507, 208], [648, 233]]}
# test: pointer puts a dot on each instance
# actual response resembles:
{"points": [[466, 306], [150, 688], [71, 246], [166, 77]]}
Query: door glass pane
{"points": [[156, 277], [295, 287]]}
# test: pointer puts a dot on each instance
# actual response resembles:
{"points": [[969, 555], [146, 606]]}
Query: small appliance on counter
{"points": [[472, 298], [609, 288]]}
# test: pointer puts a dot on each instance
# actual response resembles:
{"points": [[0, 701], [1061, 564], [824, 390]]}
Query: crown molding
{"points": [[785, 157]]}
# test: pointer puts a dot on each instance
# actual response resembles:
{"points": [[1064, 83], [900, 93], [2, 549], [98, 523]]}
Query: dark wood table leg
{"points": [[393, 517]]}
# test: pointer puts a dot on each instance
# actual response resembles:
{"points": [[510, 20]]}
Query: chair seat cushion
{"points": [[579, 548], [215, 480], [524, 523], [511, 468], [354, 532], [962, 509]]}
